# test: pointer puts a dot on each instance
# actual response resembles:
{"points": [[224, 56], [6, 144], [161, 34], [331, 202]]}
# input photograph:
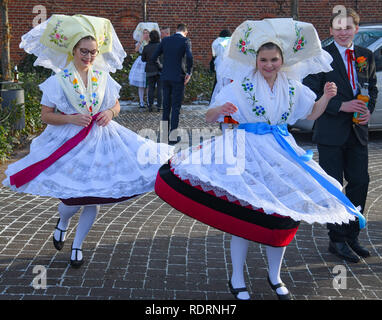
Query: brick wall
{"points": [[205, 18]]}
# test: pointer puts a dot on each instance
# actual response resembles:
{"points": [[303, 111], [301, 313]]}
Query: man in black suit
{"points": [[342, 144], [175, 73]]}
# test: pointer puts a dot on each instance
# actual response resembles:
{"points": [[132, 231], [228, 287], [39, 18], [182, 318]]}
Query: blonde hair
{"points": [[350, 13]]}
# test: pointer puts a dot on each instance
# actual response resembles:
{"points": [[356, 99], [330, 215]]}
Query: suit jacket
{"points": [[174, 48], [152, 68], [333, 126]]}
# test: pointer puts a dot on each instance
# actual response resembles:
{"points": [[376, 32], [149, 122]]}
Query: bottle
{"points": [[363, 96], [15, 75]]}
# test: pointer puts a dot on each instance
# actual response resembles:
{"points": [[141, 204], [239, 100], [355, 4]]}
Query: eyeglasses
{"points": [[84, 52]]}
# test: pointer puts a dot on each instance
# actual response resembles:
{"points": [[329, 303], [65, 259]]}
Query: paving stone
{"points": [[145, 249]]}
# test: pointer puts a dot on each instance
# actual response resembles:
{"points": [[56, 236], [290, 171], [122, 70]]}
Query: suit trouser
{"points": [[152, 82], [172, 101], [349, 161]]}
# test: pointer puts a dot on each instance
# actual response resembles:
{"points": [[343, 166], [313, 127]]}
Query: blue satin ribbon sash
{"points": [[279, 132]]}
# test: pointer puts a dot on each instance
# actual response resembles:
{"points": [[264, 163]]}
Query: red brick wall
{"points": [[205, 18]]}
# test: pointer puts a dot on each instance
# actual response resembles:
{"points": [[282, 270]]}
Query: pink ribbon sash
{"points": [[29, 173]]}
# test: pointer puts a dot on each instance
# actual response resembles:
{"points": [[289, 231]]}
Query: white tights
{"points": [[85, 222], [141, 93], [239, 249]]}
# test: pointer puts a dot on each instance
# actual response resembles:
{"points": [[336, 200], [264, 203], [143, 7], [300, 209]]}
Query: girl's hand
{"points": [[330, 90], [227, 109], [82, 120], [104, 117]]}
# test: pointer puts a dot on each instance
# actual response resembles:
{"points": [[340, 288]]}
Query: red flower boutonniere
{"points": [[361, 63]]}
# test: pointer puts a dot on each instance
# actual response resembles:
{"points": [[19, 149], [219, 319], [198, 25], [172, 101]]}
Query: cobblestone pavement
{"points": [[145, 249]]}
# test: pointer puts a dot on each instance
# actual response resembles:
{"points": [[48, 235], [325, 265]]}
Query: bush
{"points": [[200, 85], [10, 139]]}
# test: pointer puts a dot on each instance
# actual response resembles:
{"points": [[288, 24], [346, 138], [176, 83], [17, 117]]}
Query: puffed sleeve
{"points": [[111, 94], [304, 99], [49, 92]]}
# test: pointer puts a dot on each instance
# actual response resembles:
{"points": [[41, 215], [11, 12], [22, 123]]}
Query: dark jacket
{"points": [[152, 68], [174, 48], [333, 126]]}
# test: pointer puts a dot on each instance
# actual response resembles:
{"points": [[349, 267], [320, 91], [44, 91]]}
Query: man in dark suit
{"points": [[175, 73], [342, 144]]}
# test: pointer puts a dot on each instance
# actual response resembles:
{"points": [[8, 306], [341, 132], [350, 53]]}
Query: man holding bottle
{"points": [[342, 142]]}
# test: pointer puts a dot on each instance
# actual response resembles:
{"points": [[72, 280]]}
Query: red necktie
{"points": [[349, 54]]}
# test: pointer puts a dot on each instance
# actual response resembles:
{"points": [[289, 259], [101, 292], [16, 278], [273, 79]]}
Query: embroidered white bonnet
{"points": [[298, 41]]}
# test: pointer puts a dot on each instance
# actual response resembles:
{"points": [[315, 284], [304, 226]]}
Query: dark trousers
{"points": [[349, 161], [173, 92], [152, 82]]}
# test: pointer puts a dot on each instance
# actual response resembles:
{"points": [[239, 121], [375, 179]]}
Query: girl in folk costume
{"points": [[83, 157], [137, 75], [254, 181]]}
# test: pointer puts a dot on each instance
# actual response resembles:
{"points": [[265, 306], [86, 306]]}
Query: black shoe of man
{"points": [[342, 250], [358, 249]]}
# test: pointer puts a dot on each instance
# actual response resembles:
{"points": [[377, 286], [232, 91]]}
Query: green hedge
{"points": [[199, 88], [10, 139]]}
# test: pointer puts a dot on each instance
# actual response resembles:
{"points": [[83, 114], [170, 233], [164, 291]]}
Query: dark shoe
{"points": [[358, 249], [236, 291], [279, 285], [59, 244], [141, 105], [150, 108], [342, 250], [76, 263]]}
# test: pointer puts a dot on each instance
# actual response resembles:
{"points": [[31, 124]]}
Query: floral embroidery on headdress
{"points": [[244, 42], [300, 41], [57, 36], [361, 63]]}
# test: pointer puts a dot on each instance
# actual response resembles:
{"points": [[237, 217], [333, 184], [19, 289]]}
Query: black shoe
{"points": [[76, 263], [342, 250], [236, 291], [279, 285], [150, 108], [358, 249], [59, 244]]}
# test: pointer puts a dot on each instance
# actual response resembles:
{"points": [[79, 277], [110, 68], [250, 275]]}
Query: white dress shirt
{"points": [[342, 51]]}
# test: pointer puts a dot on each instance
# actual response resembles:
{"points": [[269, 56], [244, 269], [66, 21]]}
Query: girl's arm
{"points": [[330, 90], [226, 109], [48, 116]]}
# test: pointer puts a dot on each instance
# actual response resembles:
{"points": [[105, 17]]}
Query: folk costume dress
{"points": [[137, 75], [254, 181], [92, 165]]}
